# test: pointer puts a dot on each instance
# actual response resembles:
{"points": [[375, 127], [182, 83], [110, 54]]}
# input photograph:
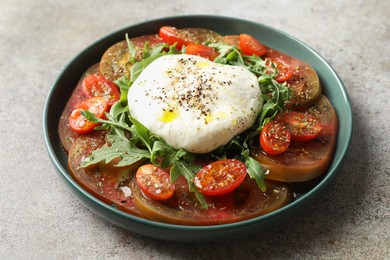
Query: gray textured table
{"points": [[40, 219]]}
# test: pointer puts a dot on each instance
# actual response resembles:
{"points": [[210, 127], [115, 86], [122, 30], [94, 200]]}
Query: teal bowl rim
{"points": [[97, 206]]}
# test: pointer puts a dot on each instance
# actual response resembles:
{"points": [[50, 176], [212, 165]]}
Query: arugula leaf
{"points": [[124, 85], [138, 67], [183, 168], [164, 155], [111, 122], [120, 148], [131, 48], [139, 130], [254, 169], [156, 53]]}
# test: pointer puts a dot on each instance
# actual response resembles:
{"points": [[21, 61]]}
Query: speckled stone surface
{"points": [[41, 219]]}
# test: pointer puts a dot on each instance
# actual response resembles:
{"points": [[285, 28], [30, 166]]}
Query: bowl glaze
{"points": [[332, 85]]}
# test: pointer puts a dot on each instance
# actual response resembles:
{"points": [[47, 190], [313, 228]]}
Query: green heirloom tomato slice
{"points": [[304, 81], [303, 127], [104, 181], [116, 61], [303, 161], [245, 202]]}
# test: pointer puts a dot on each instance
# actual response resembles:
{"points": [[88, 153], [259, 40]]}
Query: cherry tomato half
{"points": [[95, 85], [202, 51], [78, 123], [275, 138], [284, 68], [303, 127], [250, 46], [154, 182], [171, 35], [220, 177]]}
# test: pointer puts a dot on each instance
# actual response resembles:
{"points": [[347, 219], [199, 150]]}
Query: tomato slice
{"points": [[154, 182], [78, 123], [220, 177], [245, 202], [173, 35], [251, 46], [283, 67], [303, 127], [106, 182], [304, 161], [95, 85], [202, 51], [275, 138]]}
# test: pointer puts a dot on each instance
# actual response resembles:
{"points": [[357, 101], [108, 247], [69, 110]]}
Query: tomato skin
{"points": [[171, 35], [245, 202], [302, 127], [251, 46], [116, 61], [285, 70], [106, 182], [95, 85], [220, 177], [275, 138], [202, 51], [78, 123], [304, 161], [154, 182]]}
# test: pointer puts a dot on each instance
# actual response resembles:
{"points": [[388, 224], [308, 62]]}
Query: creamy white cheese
{"points": [[193, 103]]}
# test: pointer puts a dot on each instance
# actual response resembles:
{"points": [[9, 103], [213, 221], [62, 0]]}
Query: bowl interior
{"points": [[62, 89]]}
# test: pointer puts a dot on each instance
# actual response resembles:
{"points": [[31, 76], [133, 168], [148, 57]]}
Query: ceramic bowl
{"points": [[333, 88]]}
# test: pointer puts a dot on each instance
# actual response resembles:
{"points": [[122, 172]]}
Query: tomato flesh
{"points": [[95, 85], [172, 35], [202, 51], [300, 162], [251, 46], [302, 127], [154, 182], [220, 177], [284, 69], [245, 202], [304, 161], [116, 60], [95, 105], [275, 138], [106, 182]]}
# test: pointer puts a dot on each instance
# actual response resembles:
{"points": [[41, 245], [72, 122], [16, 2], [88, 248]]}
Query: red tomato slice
{"points": [[250, 46], [78, 123], [220, 177], [154, 182], [202, 51], [95, 85], [302, 127], [171, 35], [275, 138], [284, 68]]}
